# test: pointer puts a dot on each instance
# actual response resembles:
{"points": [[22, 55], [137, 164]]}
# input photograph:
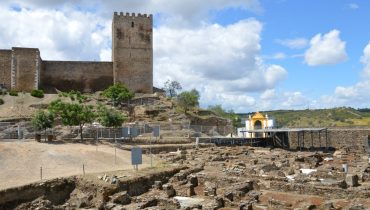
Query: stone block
{"points": [[121, 198], [352, 180], [190, 190], [193, 180], [170, 191], [157, 185]]}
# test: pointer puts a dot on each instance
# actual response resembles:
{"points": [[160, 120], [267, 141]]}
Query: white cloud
{"points": [[353, 6], [178, 13], [357, 94], [276, 56], [272, 100], [298, 43], [223, 62], [268, 94], [295, 100], [365, 59], [326, 50], [59, 35]]}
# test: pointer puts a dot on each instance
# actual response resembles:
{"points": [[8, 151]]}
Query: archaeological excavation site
{"points": [[100, 135], [217, 176], [186, 166]]}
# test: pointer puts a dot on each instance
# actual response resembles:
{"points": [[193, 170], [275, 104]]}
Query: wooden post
{"points": [[83, 169], [41, 173], [326, 140]]}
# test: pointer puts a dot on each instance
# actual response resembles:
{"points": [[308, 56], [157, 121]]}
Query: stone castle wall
{"points": [[25, 69], [5, 67], [132, 51], [355, 139], [76, 75]]}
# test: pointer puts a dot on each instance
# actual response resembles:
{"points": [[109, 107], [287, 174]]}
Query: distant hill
{"points": [[342, 116]]}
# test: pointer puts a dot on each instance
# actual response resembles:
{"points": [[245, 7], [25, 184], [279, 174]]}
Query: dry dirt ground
{"points": [[20, 161], [22, 105]]}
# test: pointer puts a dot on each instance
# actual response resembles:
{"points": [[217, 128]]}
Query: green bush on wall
{"points": [[13, 93], [37, 93]]}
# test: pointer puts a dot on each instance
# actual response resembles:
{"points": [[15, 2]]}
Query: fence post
{"points": [[40, 172], [83, 169]]}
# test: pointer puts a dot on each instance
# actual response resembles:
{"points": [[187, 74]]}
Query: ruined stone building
{"points": [[22, 69]]}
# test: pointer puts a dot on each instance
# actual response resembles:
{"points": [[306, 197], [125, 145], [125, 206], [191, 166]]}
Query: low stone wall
{"points": [[56, 190], [355, 139]]}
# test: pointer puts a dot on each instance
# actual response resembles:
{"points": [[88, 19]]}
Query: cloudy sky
{"points": [[246, 55]]}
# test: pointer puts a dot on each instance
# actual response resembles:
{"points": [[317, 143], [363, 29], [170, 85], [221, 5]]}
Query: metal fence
{"points": [[24, 130]]}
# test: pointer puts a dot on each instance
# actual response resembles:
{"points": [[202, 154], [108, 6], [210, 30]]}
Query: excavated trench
{"points": [[78, 192], [209, 178]]}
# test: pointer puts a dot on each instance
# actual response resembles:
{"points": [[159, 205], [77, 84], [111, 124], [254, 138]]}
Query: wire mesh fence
{"points": [[24, 130]]}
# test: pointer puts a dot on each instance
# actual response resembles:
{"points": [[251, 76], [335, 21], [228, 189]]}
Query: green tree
{"points": [[56, 107], [43, 120], [188, 100], [118, 94], [218, 110], [110, 118], [171, 88], [73, 114]]}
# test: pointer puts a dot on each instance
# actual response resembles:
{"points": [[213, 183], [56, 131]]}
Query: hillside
{"points": [[343, 116], [150, 108]]}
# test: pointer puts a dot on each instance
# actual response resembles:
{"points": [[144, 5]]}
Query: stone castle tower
{"points": [[22, 69], [132, 51]]}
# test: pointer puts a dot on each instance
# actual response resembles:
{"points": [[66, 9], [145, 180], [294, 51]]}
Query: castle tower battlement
{"points": [[132, 51], [121, 14]]}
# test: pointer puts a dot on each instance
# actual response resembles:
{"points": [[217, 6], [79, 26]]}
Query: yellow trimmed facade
{"points": [[257, 121]]}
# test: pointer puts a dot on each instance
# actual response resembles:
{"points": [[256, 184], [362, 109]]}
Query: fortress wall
{"points": [[76, 75], [5, 67], [25, 69], [132, 51], [355, 139]]}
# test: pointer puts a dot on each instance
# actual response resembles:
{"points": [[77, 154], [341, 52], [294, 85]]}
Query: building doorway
{"points": [[258, 125]]}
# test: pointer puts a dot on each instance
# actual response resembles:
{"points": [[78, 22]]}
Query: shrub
{"points": [[37, 93], [13, 93], [118, 94], [1, 101]]}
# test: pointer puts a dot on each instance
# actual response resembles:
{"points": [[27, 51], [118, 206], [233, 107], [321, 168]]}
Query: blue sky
{"points": [[246, 55]]}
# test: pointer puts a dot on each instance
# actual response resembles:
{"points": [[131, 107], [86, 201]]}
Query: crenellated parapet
{"points": [[131, 15]]}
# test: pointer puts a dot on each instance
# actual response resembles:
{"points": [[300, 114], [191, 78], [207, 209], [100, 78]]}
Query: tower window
{"points": [[132, 24]]}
